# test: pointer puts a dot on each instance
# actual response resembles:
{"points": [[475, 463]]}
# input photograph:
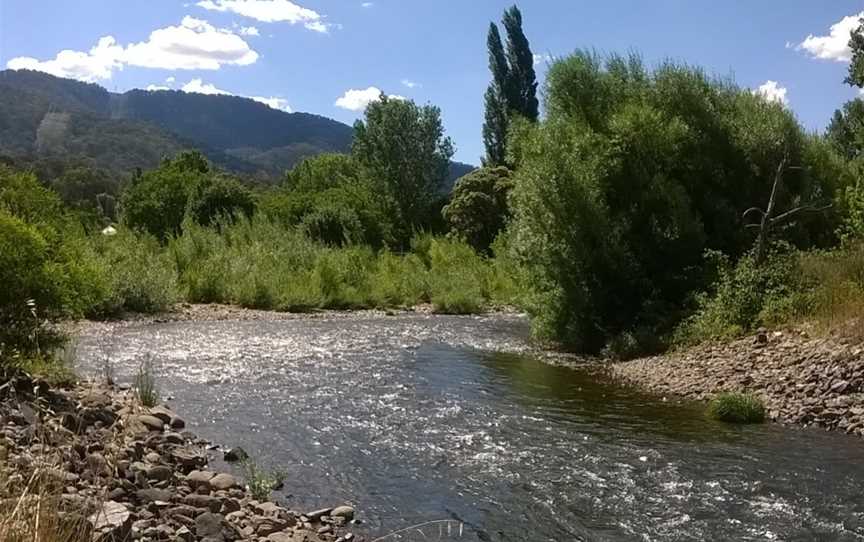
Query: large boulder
{"points": [[111, 523]]}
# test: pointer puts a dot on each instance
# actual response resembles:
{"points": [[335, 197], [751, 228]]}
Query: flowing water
{"points": [[416, 418]]}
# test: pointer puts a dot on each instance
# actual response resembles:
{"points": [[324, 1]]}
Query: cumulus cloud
{"points": [[358, 99], [170, 79], [270, 11], [198, 86], [153, 88], [773, 92], [411, 84], [193, 45], [274, 103], [834, 46], [249, 31], [97, 63]]}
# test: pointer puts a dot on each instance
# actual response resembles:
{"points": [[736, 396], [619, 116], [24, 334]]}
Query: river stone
{"points": [[208, 524], [345, 512], [184, 534], [162, 413], [150, 422], [160, 473], [153, 495], [177, 423], [203, 501], [318, 514], [236, 454], [223, 482], [198, 478], [111, 522]]}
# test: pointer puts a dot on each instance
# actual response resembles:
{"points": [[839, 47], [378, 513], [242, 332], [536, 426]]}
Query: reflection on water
{"points": [[417, 418]]}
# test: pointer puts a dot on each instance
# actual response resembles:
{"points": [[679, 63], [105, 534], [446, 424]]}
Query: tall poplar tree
{"points": [[513, 89]]}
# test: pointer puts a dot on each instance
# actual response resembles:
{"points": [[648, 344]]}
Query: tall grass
{"points": [[260, 264]]}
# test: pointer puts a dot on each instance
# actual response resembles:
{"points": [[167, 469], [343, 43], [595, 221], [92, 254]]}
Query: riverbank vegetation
{"points": [[647, 207]]}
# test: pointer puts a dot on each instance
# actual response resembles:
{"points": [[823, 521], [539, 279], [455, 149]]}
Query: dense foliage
{"points": [[630, 178], [158, 201], [478, 208]]}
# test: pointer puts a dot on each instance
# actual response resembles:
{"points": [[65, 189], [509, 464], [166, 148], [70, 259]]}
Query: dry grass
{"points": [[441, 529], [836, 301], [39, 513]]}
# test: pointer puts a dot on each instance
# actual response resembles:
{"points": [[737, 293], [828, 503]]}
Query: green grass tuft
{"points": [[737, 408]]}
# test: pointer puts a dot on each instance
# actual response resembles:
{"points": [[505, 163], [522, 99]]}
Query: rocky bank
{"points": [[92, 459], [801, 379]]}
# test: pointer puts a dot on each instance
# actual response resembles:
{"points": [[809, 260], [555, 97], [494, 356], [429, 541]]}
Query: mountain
{"points": [[48, 119], [46, 116]]}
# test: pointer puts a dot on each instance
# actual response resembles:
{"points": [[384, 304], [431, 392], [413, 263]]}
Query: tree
{"points": [[478, 210], [846, 130], [522, 98], [158, 201], [404, 150], [855, 76], [631, 177], [513, 89]]}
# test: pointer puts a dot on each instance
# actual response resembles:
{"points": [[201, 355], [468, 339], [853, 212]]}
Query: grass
{"points": [[262, 482], [736, 408], [145, 383]]}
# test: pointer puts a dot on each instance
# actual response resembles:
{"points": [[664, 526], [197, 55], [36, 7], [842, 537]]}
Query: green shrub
{"points": [[747, 296], [478, 208], [457, 278], [145, 383], [736, 408], [399, 281]]}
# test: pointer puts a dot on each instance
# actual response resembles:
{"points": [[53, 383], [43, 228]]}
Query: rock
{"points": [[150, 422], [160, 473], [177, 423], [318, 514], [112, 522], [203, 501], [839, 387], [184, 534], [223, 482], [162, 413], [173, 438], [188, 458], [209, 524], [345, 512], [198, 478], [236, 454], [153, 495]]}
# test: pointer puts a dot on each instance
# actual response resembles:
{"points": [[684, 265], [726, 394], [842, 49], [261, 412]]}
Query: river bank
{"points": [[90, 463], [803, 380]]}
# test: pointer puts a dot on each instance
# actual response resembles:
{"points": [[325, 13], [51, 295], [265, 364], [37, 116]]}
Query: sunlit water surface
{"points": [[417, 418]]}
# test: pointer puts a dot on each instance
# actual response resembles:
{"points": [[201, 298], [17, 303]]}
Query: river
{"points": [[416, 418]]}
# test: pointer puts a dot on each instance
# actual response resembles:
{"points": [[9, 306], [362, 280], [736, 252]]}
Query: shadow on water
{"points": [[421, 418]]}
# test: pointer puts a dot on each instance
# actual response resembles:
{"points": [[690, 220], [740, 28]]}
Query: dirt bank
{"points": [[802, 380]]}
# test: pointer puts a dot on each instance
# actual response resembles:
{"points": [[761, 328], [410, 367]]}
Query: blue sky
{"points": [[308, 54]]}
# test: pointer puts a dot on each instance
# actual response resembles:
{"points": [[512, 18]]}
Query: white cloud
{"points": [[193, 45], [367, 4], [834, 46], [249, 31], [198, 86], [170, 80], [540, 59], [358, 99], [411, 84], [773, 92], [271, 11], [275, 103], [98, 63], [153, 88]]}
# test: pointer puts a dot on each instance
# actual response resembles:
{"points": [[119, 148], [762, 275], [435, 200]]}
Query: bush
{"points": [[747, 296], [736, 408]]}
